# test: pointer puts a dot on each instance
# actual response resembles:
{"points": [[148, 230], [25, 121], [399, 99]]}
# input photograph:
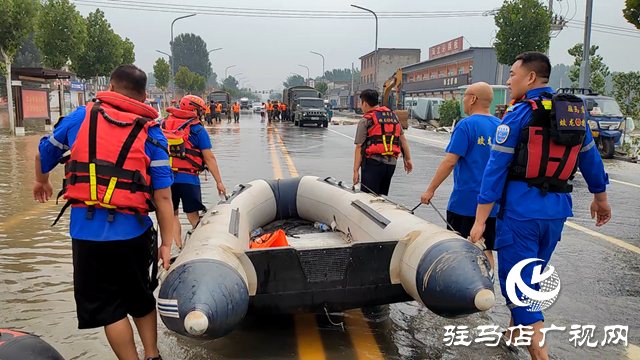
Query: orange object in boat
{"points": [[274, 239]]}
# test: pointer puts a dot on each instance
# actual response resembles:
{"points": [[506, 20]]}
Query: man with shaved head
{"points": [[468, 153]]}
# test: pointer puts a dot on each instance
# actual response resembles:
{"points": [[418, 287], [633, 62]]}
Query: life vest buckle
{"points": [[112, 214], [90, 210]]}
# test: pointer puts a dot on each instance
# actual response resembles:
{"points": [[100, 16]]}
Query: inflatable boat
{"points": [[17, 345], [375, 253]]}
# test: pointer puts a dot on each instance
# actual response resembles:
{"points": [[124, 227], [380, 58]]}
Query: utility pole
{"points": [[585, 67], [173, 85], [550, 20]]}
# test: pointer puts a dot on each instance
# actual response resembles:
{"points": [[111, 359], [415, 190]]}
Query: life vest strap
{"points": [[194, 152], [104, 170], [111, 210], [109, 183]]}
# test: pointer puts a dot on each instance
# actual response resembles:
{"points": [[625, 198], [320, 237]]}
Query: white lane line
{"points": [[618, 181], [439, 142], [608, 238]]}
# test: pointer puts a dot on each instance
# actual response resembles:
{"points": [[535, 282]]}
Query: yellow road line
{"points": [[633, 352], [277, 171], [362, 338], [608, 238], [308, 337], [285, 152], [18, 218]]}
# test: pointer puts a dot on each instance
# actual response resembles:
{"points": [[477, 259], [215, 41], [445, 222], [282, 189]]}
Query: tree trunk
{"points": [[12, 119]]}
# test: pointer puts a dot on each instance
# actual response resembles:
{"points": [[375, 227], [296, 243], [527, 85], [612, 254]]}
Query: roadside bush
{"points": [[449, 111]]}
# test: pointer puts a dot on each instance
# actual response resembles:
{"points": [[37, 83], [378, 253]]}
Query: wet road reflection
{"points": [[600, 280]]}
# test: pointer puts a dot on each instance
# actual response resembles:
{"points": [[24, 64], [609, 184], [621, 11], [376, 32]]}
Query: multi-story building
{"points": [[389, 61], [450, 67]]}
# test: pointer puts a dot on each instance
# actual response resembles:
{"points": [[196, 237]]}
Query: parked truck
{"points": [[220, 97], [306, 106]]}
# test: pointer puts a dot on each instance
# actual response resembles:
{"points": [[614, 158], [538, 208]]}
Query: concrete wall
{"points": [[390, 62]]}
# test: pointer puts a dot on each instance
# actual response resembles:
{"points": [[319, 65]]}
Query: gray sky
{"points": [[267, 50]]}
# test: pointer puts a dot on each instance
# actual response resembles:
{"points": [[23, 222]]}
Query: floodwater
{"points": [[600, 278]]}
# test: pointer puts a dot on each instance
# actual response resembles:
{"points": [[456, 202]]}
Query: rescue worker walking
{"points": [[285, 115], [269, 110], [208, 113], [379, 142], [219, 112], [278, 110], [236, 112], [537, 148], [228, 109], [468, 153], [263, 112], [118, 168], [189, 162]]}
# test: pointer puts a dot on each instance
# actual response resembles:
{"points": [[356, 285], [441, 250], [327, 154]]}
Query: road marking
{"points": [[429, 140], [608, 238], [308, 337], [362, 338], [339, 133], [277, 171], [18, 218], [617, 181], [285, 153]]}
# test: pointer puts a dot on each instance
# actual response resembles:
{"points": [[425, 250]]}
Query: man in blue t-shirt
{"points": [[113, 250], [468, 152]]}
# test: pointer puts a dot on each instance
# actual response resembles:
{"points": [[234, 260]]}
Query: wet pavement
{"points": [[600, 279]]}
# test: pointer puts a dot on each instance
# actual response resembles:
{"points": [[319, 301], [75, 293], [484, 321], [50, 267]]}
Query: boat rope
{"points": [[341, 324]]}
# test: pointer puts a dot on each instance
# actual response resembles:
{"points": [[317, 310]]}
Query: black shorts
{"points": [[189, 194], [463, 224], [112, 279]]}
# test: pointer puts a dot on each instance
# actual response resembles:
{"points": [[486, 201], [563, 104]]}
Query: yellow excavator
{"points": [[394, 100]]}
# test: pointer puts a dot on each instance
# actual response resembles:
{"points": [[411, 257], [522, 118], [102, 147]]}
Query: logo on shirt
{"points": [[533, 299], [502, 134]]}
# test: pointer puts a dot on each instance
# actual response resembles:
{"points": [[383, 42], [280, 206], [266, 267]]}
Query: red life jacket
{"points": [[547, 155], [108, 166], [384, 137], [183, 156]]}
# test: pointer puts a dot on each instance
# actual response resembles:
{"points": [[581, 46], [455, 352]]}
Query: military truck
{"points": [[220, 97], [305, 105]]}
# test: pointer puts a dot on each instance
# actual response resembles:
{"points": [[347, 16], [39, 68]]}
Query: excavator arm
{"points": [[397, 106]]}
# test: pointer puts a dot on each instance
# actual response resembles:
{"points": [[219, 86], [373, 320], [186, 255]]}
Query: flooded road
{"points": [[599, 268]]}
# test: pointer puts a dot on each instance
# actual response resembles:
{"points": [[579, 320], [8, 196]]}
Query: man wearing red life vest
{"points": [[117, 172], [187, 168], [379, 142], [533, 158]]}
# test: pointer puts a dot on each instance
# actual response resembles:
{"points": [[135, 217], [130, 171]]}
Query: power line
{"points": [[610, 27], [166, 8], [637, 36]]}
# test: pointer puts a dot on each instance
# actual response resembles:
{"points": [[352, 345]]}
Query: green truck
{"points": [[306, 106]]}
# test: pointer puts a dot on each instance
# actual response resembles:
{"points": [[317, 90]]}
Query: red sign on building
{"points": [[35, 104], [446, 48]]}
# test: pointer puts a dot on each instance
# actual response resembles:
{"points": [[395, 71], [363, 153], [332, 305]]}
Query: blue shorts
{"points": [[518, 240], [189, 194]]}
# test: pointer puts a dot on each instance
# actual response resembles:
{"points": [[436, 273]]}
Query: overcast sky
{"points": [[267, 50]]}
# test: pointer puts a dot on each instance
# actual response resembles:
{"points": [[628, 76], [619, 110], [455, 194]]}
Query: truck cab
{"points": [[244, 103], [310, 110], [605, 119]]}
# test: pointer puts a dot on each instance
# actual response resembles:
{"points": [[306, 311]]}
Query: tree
{"points": [[276, 96], [293, 80], [631, 12], [27, 56], [60, 32], [161, 71], [599, 70], [322, 87], [17, 19], [184, 78], [212, 80], [626, 91], [128, 53], [191, 51], [341, 75], [102, 51], [199, 84], [230, 83], [523, 25], [449, 111]]}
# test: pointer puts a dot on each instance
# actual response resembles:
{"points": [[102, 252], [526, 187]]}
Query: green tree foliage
{"points": [[276, 96], [230, 83], [212, 80], [16, 23], [189, 81], [599, 70], [449, 111], [60, 32], [128, 53], [102, 52], [191, 51], [293, 80], [342, 75], [322, 87], [631, 12], [161, 71], [626, 91], [523, 25]]}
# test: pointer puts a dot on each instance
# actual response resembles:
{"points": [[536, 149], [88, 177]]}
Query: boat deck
{"points": [[327, 239]]}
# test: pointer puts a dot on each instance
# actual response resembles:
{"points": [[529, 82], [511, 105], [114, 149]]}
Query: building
{"points": [[389, 61], [450, 67]]}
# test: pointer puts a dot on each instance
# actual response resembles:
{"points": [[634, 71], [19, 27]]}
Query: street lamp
{"points": [[308, 74], [237, 74], [313, 52], [375, 69], [244, 82], [173, 87], [225, 70], [210, 51], [162, 52]]}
